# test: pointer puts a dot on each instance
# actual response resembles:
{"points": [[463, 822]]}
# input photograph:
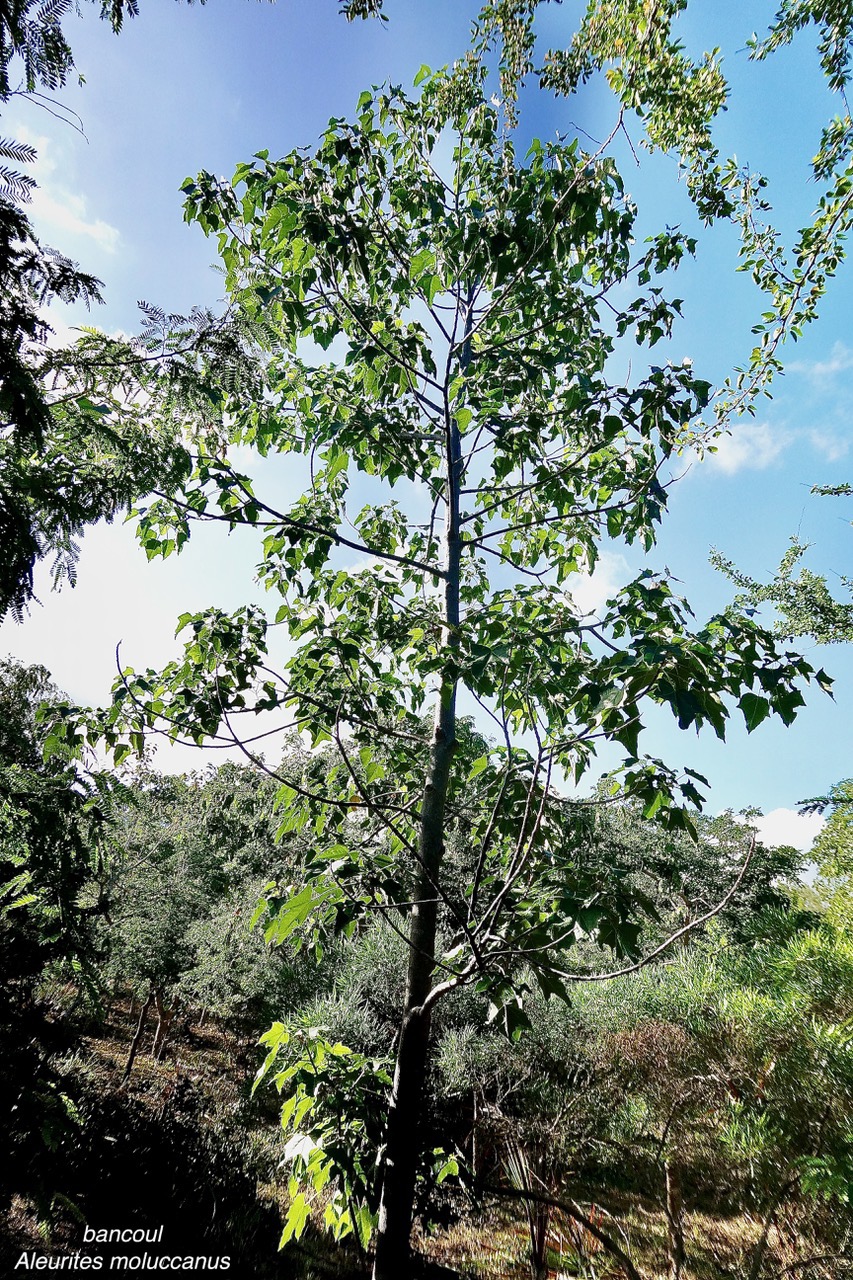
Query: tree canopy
{"points": [[476, 311]]}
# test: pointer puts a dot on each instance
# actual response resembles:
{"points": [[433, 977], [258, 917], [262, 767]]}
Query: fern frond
{"points": [[153, 314], [51, 12], [20, 152], [14, 185]]}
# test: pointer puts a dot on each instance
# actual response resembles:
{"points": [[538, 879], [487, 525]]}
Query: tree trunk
{"points": [[574, 1211], [475, 1146], [165, 1018], [399, 1166], [539, 1222], [135, 1042], [402, 1142], [674, 1220]]}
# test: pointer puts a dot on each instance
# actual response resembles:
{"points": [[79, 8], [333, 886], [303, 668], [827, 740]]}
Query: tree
{"points": [[54, 842], [685, 874], [55, 846], [472, 311], [195, 854], [60, 468], [804, 604], [833, 853], [726, 1074]]}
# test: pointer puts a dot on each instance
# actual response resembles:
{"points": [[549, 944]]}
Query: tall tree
{"points": [[473, 306], [61, 467]]}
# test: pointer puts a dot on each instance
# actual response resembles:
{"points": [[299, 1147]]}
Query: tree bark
{"points": [[165, 1018], [402, 1145], [475, 1146], [674, 1220], [135, 1042]]}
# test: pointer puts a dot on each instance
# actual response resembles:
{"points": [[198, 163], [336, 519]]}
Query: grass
{"points": [[494, 1246]]}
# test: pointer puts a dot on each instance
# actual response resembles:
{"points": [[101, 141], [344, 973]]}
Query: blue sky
{"points": [[187, 87]]}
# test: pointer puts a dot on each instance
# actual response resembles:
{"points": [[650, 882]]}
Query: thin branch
{"points": [[668, 942], [291, 522], [573, 1210]]}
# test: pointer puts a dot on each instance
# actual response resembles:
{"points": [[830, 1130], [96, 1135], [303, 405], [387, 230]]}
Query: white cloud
{"points": [[44, 164], [66, 212], [840, 359], [53, 206], [590, 591], [122, 599], [786, 826], [753, 447], [757, 446], [62, 334], [832, 446]]}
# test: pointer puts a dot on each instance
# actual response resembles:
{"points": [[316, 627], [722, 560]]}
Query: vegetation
{"points": [[471, 320], [698, 1104], [488, 987]]}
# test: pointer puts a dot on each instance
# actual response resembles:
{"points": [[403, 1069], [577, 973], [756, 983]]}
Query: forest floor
{"points": [[181, 1143]]}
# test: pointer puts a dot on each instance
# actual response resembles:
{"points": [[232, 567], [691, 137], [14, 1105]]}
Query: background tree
{"points": [[729, 1069], [196, 853], [55, 839], [55, 848], [685, 874], [61, 467]]}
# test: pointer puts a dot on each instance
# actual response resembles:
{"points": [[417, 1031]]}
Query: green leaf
{"points": [[755, 709], [296, 1220], [478, 766]]}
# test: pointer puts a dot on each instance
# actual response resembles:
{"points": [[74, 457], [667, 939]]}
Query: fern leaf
{"points": [[14, 185], [20, 152]]}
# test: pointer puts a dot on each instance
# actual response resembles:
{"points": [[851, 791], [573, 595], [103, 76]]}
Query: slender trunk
{"points": [[757, 1261], [165, 1017], [574, 1211], [475, 1146], [402, 1143], [539, 1222], [159, 1032], [135, 1042], [675, 1220]]}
